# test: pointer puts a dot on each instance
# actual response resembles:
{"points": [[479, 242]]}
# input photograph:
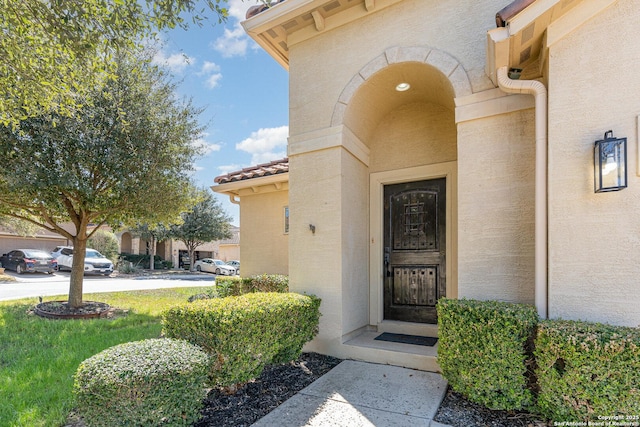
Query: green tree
{"points": [[53, 52], [127, 159], [106, 243], [18, 226], [205, 222]]}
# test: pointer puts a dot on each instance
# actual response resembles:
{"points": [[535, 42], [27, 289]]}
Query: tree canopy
{"points": [[205, 222], [53, 51], [126, 159]]}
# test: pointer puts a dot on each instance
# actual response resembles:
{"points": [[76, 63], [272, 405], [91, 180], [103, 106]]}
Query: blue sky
{"points": [[244, 91]]}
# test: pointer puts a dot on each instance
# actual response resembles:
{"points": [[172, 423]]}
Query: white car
{"points": [[94, 261], [235, 264], [215, 266]]}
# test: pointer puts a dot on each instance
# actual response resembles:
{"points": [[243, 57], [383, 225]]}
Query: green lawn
{"points": [[39, 357]]}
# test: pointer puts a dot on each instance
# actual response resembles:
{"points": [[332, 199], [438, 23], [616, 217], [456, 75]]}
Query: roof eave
{"points": [[274, 17], [234, 187]]}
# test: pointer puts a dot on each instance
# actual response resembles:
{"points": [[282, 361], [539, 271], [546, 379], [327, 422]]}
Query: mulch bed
{"points": [[257, 398], [457, 411], [62, 310], [277, 383], [280, 382]]}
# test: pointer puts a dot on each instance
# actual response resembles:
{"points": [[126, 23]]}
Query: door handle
{"points": [[387, 261]]}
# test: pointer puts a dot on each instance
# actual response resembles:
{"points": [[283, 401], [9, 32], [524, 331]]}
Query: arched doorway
{"points": [[125, 243], [403, 111]]}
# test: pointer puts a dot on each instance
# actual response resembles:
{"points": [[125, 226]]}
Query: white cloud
{"points": [[266, 144], [238, 8], [212, 74], [225, 169], [176, 62], [233, 42], [209, 67], [212, 80], [206, 147]]}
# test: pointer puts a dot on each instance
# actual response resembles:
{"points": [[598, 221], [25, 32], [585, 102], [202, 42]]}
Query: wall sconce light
{"points": [[610, 161], [312, 228]]}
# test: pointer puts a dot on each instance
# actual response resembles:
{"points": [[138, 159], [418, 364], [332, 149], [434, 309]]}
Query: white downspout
{"points": [[539, 91]]}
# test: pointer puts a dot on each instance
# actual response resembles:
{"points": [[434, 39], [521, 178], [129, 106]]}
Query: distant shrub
{"points": [[586, 370], [106, 243], [143, 383], [484, 350], [227, 286], [269, 283], [206, 294], [243, 334], [234, 285], [142, 260]]}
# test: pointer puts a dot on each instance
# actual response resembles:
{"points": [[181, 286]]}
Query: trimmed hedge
{"points": [[484, 350], [143, 260], [586, 370], [143, 383], [235, 286], [243, 334]]}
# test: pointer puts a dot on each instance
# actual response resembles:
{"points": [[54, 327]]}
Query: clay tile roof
{"points": [[510, 11], [265, 169]]}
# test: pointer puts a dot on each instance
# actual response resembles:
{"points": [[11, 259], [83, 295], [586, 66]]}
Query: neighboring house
{"points": [[176, 252], [264, 215], [229, 249], [42, 239], [432, 154]]}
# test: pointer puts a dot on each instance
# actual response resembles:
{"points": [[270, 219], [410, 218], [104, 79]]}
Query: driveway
{"points": [[40, 284]]}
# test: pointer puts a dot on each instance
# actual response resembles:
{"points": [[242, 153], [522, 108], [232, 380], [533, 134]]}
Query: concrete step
{"points": [[364, 347]]}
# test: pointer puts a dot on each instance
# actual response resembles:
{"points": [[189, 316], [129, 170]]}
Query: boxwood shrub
{"points": [[144, 383], [243, 334], [142, 260], [586, 370], [484, 350], [234, 286]]}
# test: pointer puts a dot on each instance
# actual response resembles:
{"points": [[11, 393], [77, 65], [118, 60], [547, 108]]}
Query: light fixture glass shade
{"points": [[610, 163]]}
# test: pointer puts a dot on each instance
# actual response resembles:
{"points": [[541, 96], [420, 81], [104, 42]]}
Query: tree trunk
{"points": [[152, 252], [192, 258], [77, 269]]}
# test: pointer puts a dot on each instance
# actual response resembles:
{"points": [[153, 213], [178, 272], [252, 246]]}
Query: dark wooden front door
{"points": [[414, 250]]}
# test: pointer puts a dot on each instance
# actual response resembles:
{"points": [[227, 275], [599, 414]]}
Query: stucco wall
{"points": [[337, 55], [496, 158], [594, 239], [263, 242], [413, 135], [316, 258], [232, 252], [355, 243]]}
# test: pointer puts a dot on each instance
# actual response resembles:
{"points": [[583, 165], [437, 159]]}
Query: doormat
{"points": [[407, 339]]}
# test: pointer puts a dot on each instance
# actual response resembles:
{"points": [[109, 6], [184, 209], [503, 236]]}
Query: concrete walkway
{"points": [[358, 394]]}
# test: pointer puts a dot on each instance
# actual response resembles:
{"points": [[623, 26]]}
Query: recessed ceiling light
{"points": [[403, 87]]}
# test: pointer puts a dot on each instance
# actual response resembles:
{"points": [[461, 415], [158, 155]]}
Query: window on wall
{"points": [[286, 220]]}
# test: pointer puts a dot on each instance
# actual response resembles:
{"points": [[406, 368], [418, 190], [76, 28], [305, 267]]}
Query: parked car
{"points": [[235, 264], [215, 266], [94, 261], [28, 260]]}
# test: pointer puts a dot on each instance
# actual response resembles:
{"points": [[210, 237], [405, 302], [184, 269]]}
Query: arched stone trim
{"points": [[441, 60]]}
